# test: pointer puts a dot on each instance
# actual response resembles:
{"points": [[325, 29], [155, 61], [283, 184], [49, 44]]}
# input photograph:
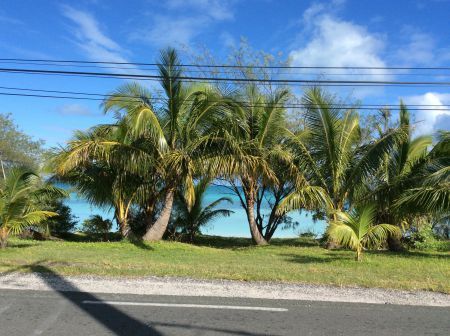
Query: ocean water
{"points": [[235, 225]]}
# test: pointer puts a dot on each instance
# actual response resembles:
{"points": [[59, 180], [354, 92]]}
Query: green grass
{"points": [[286, 260]]}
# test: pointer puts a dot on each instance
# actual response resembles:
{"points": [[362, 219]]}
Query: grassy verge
{"points": [[287, 260]]}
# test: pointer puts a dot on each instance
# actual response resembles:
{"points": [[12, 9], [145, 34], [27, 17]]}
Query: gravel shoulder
{"points": [[219, 288]]}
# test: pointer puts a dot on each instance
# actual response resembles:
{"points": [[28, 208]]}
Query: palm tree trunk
{"points": [[257, 237], [157, 230], [123, 223], [125, 230], [3, 238], [358, 254], [3, 169], [191, 235]]}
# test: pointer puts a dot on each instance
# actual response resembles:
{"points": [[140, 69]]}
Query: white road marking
{"points": [[184, 305]]}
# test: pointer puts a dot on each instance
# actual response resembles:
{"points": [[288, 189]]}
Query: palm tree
{"points": [[178, 130], [357, 230], [192, 218], [332, 154], [413, 181], [428, 190], [258, 138], [22, 194], [160, 140], [95, 162]]}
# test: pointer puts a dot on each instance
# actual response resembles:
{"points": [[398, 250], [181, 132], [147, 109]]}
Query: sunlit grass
{"points": [[290, 260]]}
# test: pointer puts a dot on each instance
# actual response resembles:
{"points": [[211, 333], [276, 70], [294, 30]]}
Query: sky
{"points": [[382, 33], [411, 33]]}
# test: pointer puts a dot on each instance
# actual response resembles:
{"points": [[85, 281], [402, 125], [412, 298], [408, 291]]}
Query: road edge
{"points": [[219, 288]]}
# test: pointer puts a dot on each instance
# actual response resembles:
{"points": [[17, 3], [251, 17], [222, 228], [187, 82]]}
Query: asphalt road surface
{"points": [[24, 312]]}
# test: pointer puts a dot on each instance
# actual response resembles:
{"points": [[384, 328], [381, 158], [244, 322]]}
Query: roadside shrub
{"points": [[424, 239], [307, 234], [97, 225], [138, 222], [64, 222]]}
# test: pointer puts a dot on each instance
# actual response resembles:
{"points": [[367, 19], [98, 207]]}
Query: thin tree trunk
{"points": [[257, 237], [191, 235], [3, 238], [122, 221], [157, 230], [330, 245], [125, 230], [3, 169], [358, 254]]}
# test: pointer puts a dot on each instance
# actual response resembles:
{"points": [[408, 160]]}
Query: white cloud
{"points": [[88, 28], [228, 40], [168, 30], [183, 21], [74, 110], [216, 9], [330, 41], [340, 43], [438, 115], [91, 39], [9, 20], [418, 49]]}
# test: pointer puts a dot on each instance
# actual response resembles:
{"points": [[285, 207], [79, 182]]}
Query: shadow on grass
{"points": [[238, 242], [140, 244], [296, 242], [222, 242], [20, 245], [81, 237], [310, 259], [406, 254]]}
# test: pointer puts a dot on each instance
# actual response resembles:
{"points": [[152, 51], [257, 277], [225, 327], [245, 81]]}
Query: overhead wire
{"points": [[128, 98], [228, 72], [235, 66], [230, 80]]}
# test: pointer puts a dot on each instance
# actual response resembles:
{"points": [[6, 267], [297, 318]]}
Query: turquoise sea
{"points": [[234, 225]]}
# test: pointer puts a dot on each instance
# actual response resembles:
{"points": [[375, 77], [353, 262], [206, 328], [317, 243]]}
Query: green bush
{"points": [[64, 222], [96, 225], [424, 239]]}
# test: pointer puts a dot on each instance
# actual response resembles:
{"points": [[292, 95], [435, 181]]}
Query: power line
{"points": [[232, 66], [288, 106], [231, 80], [229, 72], [163, 99]]}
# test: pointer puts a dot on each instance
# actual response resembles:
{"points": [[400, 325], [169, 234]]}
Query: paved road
{"points": [[50, 313]]}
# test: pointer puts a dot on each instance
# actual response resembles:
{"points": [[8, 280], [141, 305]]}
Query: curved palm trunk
{"points": [[358, 253], [3, 238], [157, 230], [125, 230], [257, 237], [393, 242], [122, 220]]}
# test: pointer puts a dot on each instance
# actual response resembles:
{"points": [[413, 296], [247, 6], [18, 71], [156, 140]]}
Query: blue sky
{"points": [[338, 33]]}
